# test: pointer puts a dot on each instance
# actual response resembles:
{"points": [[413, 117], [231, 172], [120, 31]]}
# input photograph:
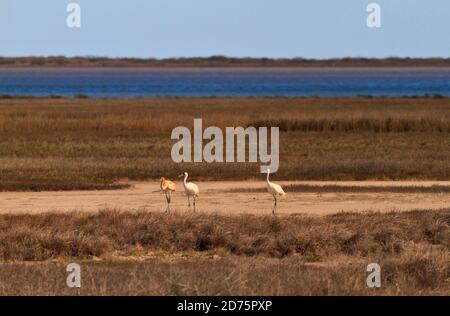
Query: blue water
{"points": [[115, 83]]}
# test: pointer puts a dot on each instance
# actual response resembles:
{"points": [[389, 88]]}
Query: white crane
{"points": [[191, 189], [274, 189]]}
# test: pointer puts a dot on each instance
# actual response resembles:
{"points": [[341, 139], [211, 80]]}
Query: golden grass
{"points": [[119, 116], [354, 188], [136, 253], [81, 235], [85, 143], [48, 144]]}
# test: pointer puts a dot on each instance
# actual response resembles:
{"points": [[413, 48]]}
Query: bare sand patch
{"points": [[216, 196]]}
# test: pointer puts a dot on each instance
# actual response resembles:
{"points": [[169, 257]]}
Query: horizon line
{"points": [[219, 56]]}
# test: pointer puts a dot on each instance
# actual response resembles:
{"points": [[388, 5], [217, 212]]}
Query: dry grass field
{"points": [[49, 144], [129, 253], [64, 144]]}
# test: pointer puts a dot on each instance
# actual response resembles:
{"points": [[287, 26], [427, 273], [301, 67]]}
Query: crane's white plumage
{"points": [[191, 189], [275, 190]]}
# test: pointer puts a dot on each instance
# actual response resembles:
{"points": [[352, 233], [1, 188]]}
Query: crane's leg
{"points": [[169, 199], [189, 201], [194, 203], [274, 205]]}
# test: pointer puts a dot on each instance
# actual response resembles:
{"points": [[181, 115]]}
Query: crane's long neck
{"points": [[268, 174], [185, 179]]}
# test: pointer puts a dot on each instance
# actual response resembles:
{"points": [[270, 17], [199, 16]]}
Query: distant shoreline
{"points": [[229, 69], [432, 96], [219, 62]]}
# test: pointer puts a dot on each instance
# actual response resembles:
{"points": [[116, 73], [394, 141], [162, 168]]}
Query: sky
{"points": [[239, 28]]}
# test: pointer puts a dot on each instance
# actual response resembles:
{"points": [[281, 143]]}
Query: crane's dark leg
{"points": [[194, 203], [169, 199], [274, 205], [189, 201]]}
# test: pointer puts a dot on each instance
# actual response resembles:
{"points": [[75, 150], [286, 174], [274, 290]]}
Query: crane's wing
{"points": [[171, 185], [168, 185]]}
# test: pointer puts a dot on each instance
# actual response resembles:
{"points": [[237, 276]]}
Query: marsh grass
{"points": [[140, 253], [62, 143], [420, 273], [85, 235], [354, 188], [55, 186], [376, 125]]}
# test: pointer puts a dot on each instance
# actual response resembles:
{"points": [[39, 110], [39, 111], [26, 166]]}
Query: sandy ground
{"points": [[216, 197]]}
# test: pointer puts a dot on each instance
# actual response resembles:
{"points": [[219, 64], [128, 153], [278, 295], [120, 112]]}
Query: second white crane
{"points": [[191, 189], [275, 189]]}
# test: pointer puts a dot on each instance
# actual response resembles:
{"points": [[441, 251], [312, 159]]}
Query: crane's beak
{"points": [[181, 176]]}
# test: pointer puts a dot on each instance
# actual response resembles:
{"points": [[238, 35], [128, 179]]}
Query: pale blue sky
{"points": [[270, 28]]}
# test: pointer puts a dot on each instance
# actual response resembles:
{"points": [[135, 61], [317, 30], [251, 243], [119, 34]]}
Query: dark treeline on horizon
{"points": [[218, 61]]}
